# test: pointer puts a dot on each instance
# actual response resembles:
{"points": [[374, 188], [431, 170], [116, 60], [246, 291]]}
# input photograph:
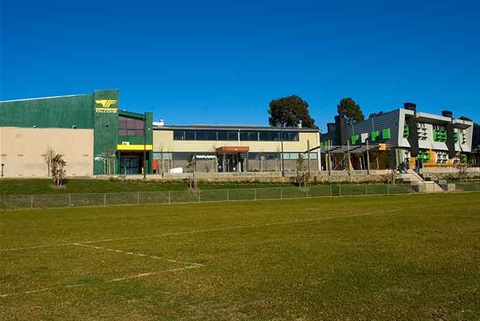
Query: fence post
{"points": [[138, 198], [339, 190], [228, 196], [331, 190], [169, 197], [255, 193], [199, 196], [31, 201], [104, 199], [307, 192], [69, 199], [388, 189], [281, 192]]}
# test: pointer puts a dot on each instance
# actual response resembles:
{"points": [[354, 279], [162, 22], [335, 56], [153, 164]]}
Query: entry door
{"points": [[130, 164]]}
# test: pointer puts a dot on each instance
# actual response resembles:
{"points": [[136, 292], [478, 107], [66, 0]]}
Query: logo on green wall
{"points": [[106, 106]]}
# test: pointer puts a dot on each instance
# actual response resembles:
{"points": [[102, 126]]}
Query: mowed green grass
{"points": [[412, 257]]}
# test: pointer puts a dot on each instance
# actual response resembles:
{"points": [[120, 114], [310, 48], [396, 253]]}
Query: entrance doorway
{"points": [[131, 163], [231, 158]]}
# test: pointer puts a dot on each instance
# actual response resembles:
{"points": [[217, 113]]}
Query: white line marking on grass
{"points": [[136, 276], [137, 254], [34, 247], [220, 228], [227, 228]]}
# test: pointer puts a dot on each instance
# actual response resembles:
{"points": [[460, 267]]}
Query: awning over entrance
{"points": [[232, 149]]}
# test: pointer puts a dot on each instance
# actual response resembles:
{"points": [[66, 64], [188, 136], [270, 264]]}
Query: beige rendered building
{"points": [[23, 150], [232, 148]]}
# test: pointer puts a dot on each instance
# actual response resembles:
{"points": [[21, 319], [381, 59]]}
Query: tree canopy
{"points": [[289, 112], [373, 115], [348, 109]]}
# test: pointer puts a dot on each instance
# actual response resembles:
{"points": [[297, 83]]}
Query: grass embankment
{"points": [[44, 186], [409, 257]]}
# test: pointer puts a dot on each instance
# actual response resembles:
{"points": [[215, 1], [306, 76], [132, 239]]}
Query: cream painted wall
{"points": [[22, 150], [163, 142]]}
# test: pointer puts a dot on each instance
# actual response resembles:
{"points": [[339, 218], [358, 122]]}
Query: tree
{"points": [[58, 169], [192, 166], [290, 111], [48, 156], [349, 110], [303, 175]]}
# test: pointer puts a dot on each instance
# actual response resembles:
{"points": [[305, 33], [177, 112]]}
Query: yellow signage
{"points": [[106, 105], [134, 147]]}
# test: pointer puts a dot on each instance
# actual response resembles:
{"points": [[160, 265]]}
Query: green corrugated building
{"points": [[93, 133]]}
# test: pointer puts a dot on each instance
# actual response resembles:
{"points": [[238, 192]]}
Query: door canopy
{"points": [[232, 149]]}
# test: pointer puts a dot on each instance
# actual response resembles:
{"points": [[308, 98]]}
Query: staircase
{"points": [[419, 184]]}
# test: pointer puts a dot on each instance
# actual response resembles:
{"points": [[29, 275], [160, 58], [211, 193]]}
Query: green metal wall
{"points": [[55, 112], [98, 111], [138, 140], [105, 127]]}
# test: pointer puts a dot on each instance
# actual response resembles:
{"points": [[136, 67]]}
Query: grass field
{"points": [[411, 257], [24, 186]]}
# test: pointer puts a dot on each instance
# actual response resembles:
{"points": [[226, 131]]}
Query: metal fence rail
{"points": [[197, 196]]}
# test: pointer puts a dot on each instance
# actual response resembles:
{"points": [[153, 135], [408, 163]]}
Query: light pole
{"points": [[144, 145], [281, 156], [368, 159]]}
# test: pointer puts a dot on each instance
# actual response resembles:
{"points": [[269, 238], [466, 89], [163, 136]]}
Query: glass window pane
{"points": [[178, 135], [232, 136], [253, 136], [244, 135], [130, 132], [131, 123], [222, 135], [139, 124], [122, 132], [122, 123], [200, 135], [211, 135], [264, 136], [189, 135]]}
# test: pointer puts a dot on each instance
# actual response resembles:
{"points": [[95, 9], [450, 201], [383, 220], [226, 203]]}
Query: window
{"points": [[189, 135], [178, 135], [130, 126], [235, 135]]}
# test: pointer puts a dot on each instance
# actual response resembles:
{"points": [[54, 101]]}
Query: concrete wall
{"points": [[22, 150]]}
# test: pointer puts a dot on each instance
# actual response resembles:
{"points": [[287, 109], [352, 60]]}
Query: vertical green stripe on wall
{"points": [[105, 111]]}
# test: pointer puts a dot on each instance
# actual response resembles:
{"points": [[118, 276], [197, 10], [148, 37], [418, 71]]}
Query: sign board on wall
{"points": [[106, 106]]}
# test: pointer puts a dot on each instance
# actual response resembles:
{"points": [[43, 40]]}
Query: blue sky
{"points": [[222, 62]]}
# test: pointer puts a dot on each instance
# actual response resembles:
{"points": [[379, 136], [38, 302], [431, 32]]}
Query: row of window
{"points": [[130, 126], [235, 135], [251, 156]]}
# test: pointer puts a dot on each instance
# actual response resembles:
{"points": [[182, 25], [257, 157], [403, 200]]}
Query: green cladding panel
{"points": [[52, 112], [354, 139], [386, 134], [105, 111], [406, 131]]}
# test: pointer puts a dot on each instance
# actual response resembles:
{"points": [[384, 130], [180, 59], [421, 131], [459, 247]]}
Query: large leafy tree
{"points": [[348, 109], [289, 112]]}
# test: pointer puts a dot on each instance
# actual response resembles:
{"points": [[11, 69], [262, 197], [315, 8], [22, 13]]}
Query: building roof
{"points": [[233, 127]]}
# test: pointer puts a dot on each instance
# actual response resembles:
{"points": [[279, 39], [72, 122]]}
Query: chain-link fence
{"points": [[213, 195]]}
